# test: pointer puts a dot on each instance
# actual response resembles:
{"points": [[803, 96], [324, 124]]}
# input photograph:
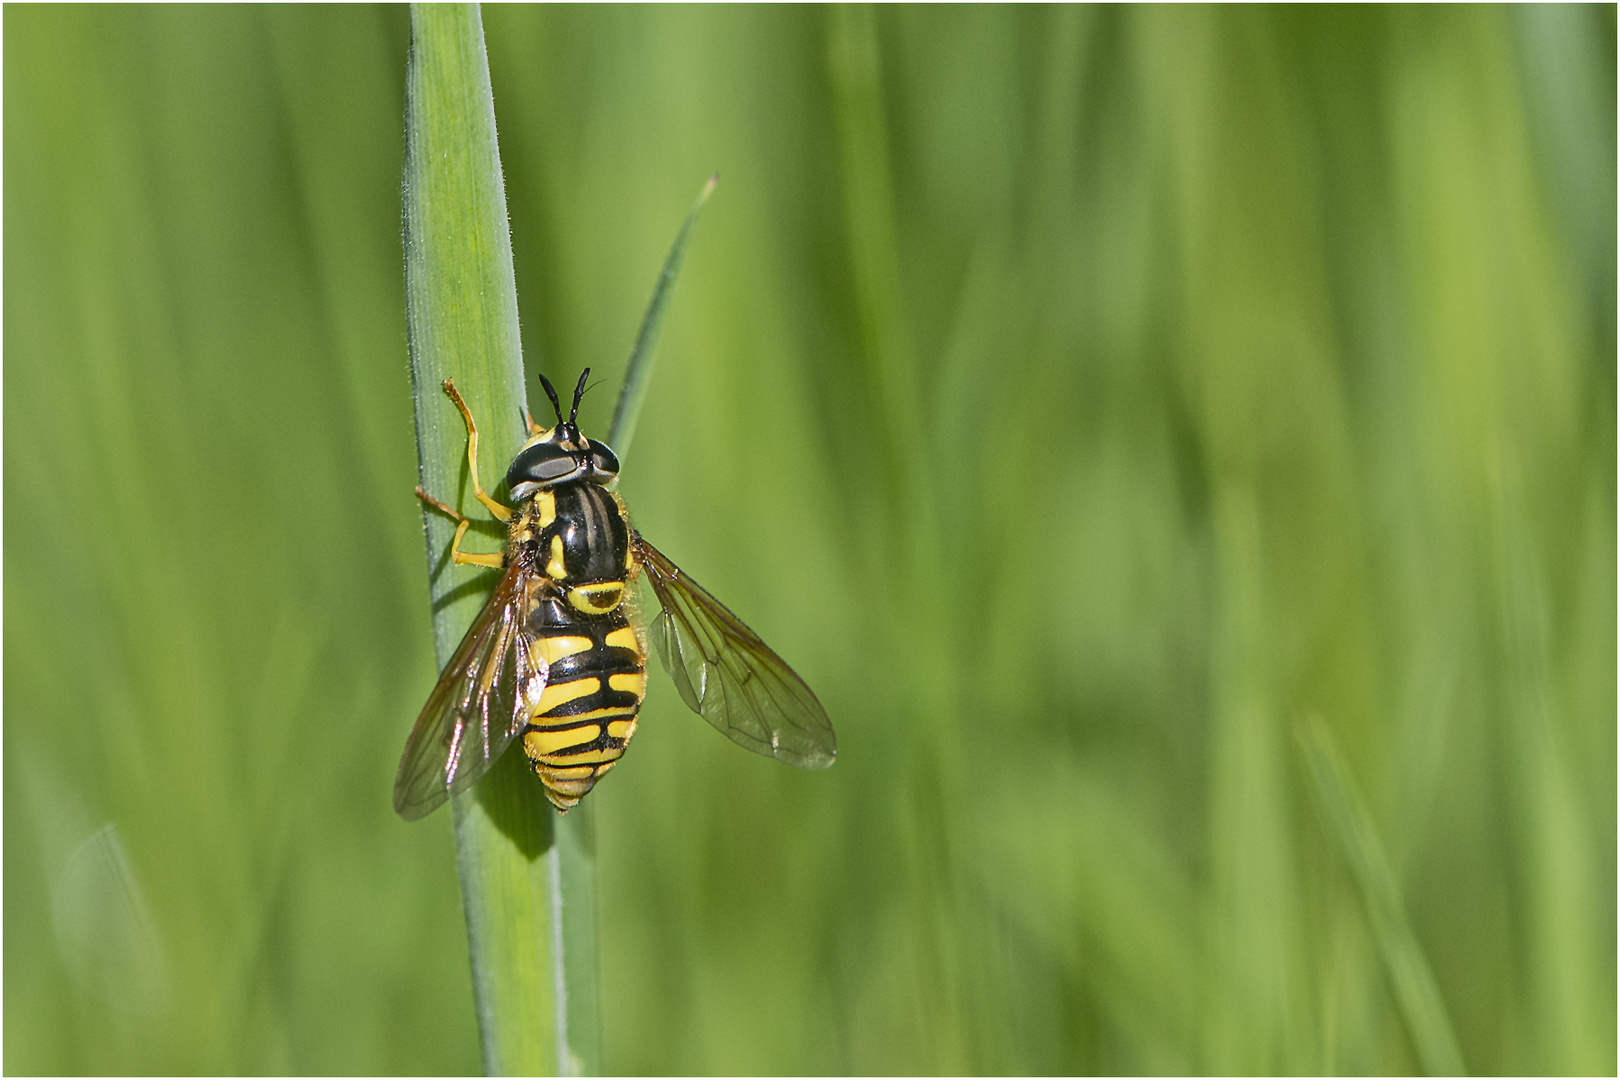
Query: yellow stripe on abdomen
{"points": [[563, 693], [555, 648], [543, 745], [595, 755], [630, 682]]}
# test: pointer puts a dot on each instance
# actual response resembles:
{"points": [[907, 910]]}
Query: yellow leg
{"points": [[493, 559], [501, 511]]}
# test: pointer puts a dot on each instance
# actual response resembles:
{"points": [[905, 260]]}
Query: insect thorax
{"points": [[577, 537]]}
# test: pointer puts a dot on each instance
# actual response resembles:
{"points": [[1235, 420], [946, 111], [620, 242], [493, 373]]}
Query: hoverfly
{"points": [[558, 660]]}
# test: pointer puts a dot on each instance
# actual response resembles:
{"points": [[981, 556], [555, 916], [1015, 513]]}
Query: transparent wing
{"points": [[478, 705], [731, 678]]}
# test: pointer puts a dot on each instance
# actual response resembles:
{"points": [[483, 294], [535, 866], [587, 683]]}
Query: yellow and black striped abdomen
{"points": [[585, 717]]}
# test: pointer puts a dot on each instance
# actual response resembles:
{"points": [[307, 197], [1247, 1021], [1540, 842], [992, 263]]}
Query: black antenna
{"points": [[551, 392], [579, 392]]}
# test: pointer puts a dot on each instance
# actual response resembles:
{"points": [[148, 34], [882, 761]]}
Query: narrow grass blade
{"points": [[527, 882], [1416, 992], [639, 372]]}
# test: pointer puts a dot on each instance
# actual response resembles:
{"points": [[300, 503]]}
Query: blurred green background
{"points": [[1178, 446]]}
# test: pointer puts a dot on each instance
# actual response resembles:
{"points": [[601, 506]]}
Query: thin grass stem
{"points": [[527, 885], [638, 373], [527, 874]]}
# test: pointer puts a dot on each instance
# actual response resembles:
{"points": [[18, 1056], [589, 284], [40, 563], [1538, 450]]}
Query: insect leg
{"points": [[534, 428], [492, 559], [502, 512]]}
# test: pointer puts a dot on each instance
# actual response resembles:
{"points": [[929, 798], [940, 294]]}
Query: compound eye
{"points": [[604, 459], [540, 464]]}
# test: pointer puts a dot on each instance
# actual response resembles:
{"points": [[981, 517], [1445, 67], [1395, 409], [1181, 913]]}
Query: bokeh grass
{"points": [[1100, 408]]}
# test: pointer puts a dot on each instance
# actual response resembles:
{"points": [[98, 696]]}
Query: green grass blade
{"points": [[639, 372], [1417, 995], [527, 881]]}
